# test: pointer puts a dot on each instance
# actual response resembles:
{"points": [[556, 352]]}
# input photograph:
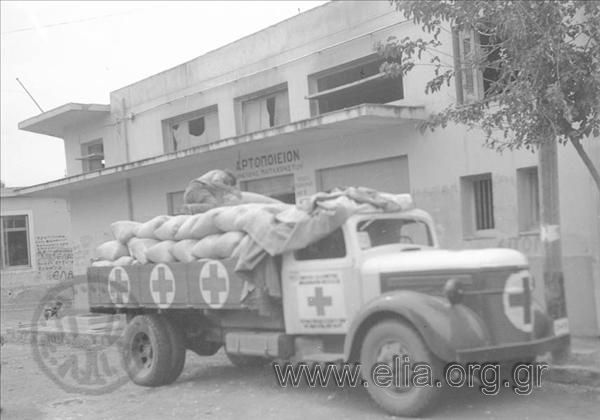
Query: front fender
{"points": [[445, 328]]}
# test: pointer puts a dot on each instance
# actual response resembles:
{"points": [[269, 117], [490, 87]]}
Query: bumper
{"points": [[514, 351]]}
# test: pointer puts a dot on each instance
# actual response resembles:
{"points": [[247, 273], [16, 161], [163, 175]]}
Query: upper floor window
{"points": [[191, 129], [264, 109], [479, 60], [351, 84], [92, 155], [15, 241]]}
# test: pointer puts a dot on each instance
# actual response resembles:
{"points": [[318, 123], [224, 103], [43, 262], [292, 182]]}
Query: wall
{"points": [[284, 53], [50, 242]]}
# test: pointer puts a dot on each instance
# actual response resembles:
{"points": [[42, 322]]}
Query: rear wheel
{"points": [[385, 341], [147, 350], [177, 341]]}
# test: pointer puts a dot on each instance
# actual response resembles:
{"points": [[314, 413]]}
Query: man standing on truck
{"points": [[214, 188]]}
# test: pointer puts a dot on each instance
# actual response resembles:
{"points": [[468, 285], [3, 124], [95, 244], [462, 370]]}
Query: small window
{"points": [[92, 156], [528, 199], [331, 246], [351, 84], [278, 187], [175, 203], [478, 203], [192, 129], [265, 110], [15, 241]]}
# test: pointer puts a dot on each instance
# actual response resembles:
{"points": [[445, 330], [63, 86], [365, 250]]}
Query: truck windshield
{"points": [[377, 232]]}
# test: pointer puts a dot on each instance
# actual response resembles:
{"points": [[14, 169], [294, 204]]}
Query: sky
{"points": [[80, 51]]}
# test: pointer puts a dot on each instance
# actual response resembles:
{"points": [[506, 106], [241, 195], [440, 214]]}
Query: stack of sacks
{"points": [[215, 234]]}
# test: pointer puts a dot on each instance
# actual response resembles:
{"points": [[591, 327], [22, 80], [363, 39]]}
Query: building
{"points": [[301, 107]]}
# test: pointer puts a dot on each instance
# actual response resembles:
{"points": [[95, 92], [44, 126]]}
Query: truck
{"points": [[377, 288]]}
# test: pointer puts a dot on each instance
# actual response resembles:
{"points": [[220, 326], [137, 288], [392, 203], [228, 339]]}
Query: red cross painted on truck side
{"points": [[214, 284], [319, 301], [522, 299], [162, 286], [119, 286]]}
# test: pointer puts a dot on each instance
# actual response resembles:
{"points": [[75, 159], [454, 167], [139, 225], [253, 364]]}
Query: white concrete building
{"points": [[301, 107], [36, 242]]}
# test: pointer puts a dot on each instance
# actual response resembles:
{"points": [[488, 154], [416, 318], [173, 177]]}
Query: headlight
{"points": [[453, 291]]}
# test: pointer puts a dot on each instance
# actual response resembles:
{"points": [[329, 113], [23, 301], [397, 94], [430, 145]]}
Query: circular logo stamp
{"points": [[214, 284], [79, 353]]}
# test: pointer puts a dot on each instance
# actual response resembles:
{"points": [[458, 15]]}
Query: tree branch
{"points": [[587, 161]]}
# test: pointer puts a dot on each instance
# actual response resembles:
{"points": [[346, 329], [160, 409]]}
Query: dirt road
{"points": [[211, 388]]}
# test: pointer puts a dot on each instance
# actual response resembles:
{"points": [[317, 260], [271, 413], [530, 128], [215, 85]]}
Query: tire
{"points": [[177, 341], [243, 361], [388, 338], [147, 350]]}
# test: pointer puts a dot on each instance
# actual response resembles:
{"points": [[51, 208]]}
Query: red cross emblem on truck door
{"points": [[319, 301], [162, 285], [522, 299], [118, 286], [214, 284], [517, 300]]}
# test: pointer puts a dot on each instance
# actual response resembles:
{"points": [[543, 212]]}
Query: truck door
{"points": [[320, 287]]}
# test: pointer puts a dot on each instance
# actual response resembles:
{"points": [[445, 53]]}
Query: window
{"points": [[351, 84], [175, 203], [278, 187], [92, 156], [265, 109], [192, 129], [528, 201], [15, 241], [479, 55], [331, 246], [392, 231], [478, 203]]}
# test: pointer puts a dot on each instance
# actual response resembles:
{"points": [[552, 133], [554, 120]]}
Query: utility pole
{"points": [[550, 236]]}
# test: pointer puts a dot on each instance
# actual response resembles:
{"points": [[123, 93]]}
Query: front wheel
{"points": [[384, 342], [147, 350]]}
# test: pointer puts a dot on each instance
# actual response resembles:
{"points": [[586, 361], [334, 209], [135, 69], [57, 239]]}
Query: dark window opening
{"points": [[354, 85], [271, 110], [331, 246], [196, 127], [15, 241], [484, 204], [491, 72]]}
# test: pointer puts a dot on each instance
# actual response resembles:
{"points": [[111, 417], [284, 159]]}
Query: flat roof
{"points": [[320, 128], [53, 122]]}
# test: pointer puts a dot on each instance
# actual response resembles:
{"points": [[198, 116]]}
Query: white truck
{"points": [[376, 288]]}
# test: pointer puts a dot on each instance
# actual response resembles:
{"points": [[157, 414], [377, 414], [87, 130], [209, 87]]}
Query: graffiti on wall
{"points": [[54, 257]]}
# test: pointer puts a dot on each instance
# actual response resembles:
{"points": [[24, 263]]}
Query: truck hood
{"points": [[437, 260]]}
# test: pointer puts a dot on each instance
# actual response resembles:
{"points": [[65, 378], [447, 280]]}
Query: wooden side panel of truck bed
{"points": [[208, 284]]}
